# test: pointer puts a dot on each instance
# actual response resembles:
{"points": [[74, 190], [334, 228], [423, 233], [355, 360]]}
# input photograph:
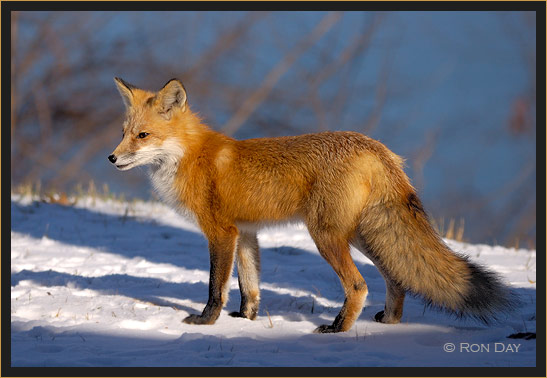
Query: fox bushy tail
{"points": [[399, 238]]}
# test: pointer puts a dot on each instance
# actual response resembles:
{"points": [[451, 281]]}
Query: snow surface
{"points": [[107, 283]]}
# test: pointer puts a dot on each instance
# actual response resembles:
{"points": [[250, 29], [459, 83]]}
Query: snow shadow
{"points": [[136, 237], [285, 267], [310, 354], [144, 289], [129, 236]]}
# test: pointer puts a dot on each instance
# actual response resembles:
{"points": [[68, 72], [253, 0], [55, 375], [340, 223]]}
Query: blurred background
{"points": [[454, 93]]}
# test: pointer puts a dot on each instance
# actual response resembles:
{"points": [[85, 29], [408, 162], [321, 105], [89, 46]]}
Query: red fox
{"points": [[347, 188]]}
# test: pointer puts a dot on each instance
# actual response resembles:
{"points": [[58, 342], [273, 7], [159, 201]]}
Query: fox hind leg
{"points": [[395, 294], [336, 251], [248, 272], [393, 310]]}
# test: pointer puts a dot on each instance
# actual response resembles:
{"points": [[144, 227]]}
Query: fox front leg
{"points": [[248, 272], [221, 250]]}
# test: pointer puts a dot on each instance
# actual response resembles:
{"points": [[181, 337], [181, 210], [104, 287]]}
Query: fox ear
{"points": [[126, 90], [172, 96]]}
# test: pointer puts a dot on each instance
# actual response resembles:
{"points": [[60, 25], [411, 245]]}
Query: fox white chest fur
{"points": [[162, 178], [162, 174]]}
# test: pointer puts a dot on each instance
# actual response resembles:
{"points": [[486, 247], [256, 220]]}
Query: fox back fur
{"points": [[347, 188]]}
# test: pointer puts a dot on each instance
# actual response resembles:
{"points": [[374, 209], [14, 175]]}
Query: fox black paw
{"points": [[379, 317], [197, 319], [325, 328], [238, 314]]}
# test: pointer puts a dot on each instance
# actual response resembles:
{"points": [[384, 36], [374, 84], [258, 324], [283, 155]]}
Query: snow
{"points": [[107, 283]]}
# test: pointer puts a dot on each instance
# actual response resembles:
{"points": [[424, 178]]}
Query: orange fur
{"points": [[346, 187]]}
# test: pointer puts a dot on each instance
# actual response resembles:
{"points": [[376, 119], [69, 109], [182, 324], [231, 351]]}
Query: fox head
{"points": [[151, 126]]}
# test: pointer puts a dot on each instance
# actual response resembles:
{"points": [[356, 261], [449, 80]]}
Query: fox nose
{"points": [[112, 158]]}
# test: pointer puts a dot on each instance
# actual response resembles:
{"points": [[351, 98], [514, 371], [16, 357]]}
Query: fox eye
{"points": [[142, 135]]}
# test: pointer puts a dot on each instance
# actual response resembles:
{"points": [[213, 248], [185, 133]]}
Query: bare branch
{"points": [[258, 96]]}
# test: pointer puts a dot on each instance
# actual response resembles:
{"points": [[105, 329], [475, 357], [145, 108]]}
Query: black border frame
{"points": [[8, 6]]}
